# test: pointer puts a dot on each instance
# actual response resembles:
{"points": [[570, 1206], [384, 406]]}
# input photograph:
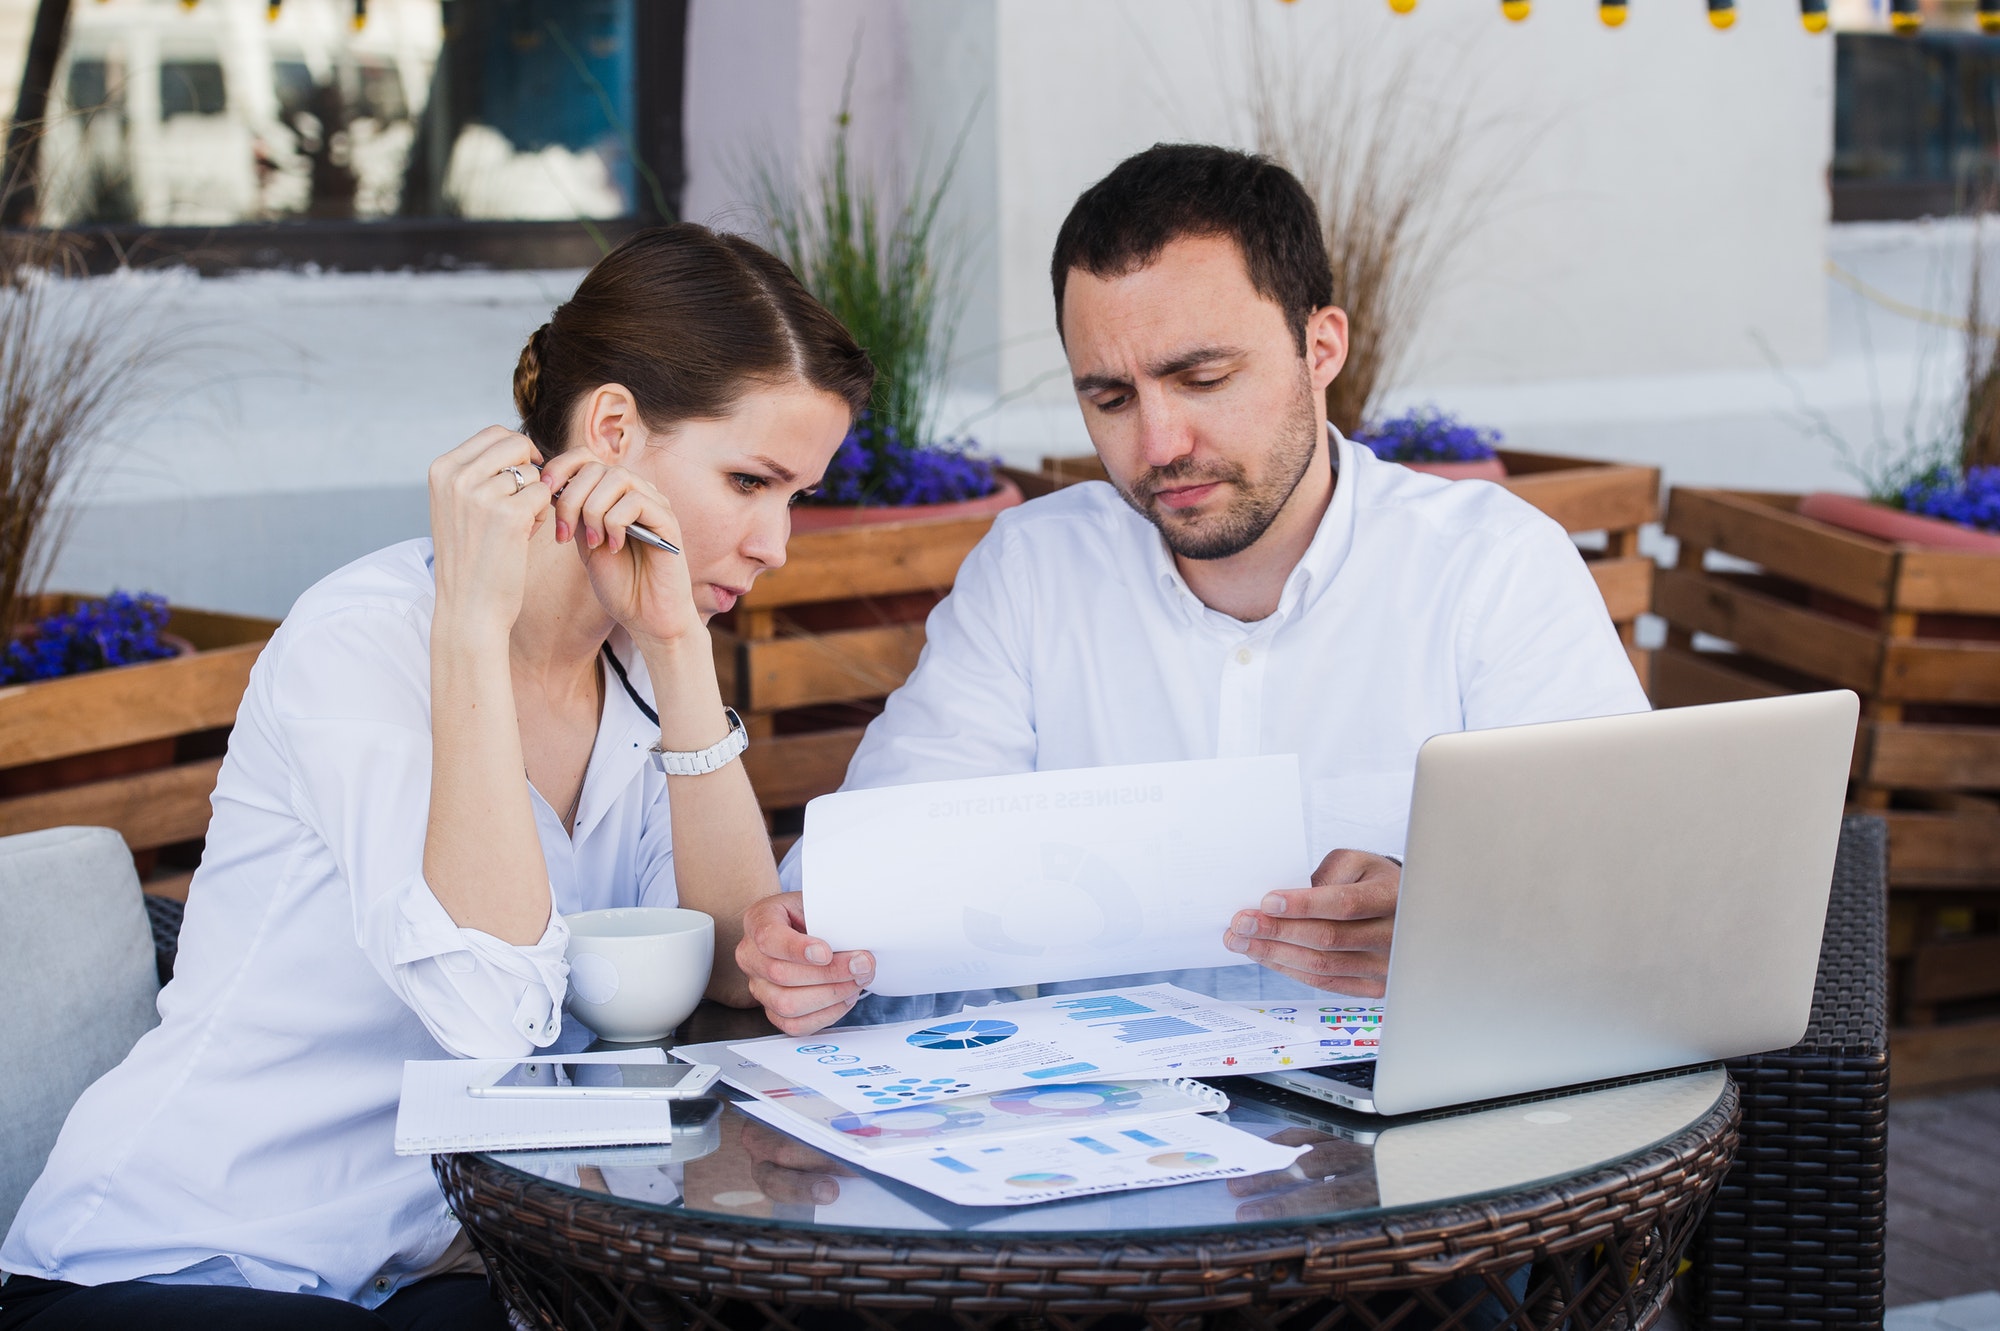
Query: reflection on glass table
{"points": [[737, 1168]]}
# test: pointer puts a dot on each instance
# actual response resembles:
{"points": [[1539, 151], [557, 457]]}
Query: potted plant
{"points": [[122, 629], [880, 261], [1940, 492], [811, 650], [1943, 508], [1429, 440]]}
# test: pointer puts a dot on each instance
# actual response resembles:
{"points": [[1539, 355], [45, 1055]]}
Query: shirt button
{"points": [[1244, 656], [383, 1284]]}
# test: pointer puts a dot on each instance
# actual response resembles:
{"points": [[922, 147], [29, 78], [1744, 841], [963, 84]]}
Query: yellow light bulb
{"points": [[1814, 22], [1515, 10], [1989, 22], [1722, 18], [1613, 13], [1906, 23], [271, 12], [1402, 6]]}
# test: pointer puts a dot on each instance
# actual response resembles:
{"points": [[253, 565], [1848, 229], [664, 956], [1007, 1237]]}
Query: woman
{"points": [[380, 883]]}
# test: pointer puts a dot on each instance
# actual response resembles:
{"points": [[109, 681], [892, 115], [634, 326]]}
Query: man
{"points": [[1250, 583]]}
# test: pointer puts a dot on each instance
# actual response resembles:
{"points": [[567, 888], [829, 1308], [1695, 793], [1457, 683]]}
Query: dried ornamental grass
{"points": [[1387, 166], [879, 257], [71, 363]]}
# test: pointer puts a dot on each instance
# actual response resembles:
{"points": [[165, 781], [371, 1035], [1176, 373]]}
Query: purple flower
{"points": [[1971, 499], [1427, 434], [874, 466], [118, 630]]}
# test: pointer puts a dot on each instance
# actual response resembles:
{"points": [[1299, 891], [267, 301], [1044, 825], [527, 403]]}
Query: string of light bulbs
{"points": [[1905, 16], [274, 8]]}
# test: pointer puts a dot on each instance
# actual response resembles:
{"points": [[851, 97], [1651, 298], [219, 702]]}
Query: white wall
{"points": [[1672, 214], [289, 425], [1671, 202]]}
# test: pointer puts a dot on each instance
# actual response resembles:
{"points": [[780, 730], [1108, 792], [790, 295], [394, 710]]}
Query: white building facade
{"points": [[1650, 283]]}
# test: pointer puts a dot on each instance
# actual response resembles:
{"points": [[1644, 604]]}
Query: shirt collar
{"points": [[625, 735], [1315, 569]]}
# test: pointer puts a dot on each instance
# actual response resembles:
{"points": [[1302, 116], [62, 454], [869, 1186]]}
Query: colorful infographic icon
{"points": [[1080, 1100], [963, 1034], [910, 1121], [911, 1091], [1181, 1160], [1042, 1180]]}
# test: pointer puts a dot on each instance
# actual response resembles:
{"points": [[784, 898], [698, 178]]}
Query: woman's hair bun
{"points": [[528, 372], [687, 320]]}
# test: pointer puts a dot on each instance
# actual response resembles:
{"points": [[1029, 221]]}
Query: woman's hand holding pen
{"points": [[643, 588]]}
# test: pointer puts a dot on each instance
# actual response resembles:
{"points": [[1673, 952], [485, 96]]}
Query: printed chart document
{"points": [[1026, 1111], [1051, 876], [1067, 1164], [1156, 1030], [1347, 1031]]}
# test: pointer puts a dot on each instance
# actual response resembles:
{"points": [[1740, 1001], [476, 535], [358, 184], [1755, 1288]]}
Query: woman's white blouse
{"points": [[248, 1138]]}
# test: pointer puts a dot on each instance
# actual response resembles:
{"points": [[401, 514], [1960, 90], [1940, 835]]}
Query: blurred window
{"points": [[89, 85], [330, 110], [1915, 124], [190, 88], [381, 91], [292, 81]]}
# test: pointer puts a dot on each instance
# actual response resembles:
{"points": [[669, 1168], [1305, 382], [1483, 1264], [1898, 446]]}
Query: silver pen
{"points": [[645, 536]]}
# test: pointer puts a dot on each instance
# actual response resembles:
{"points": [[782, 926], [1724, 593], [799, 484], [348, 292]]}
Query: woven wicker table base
{"points": [[1597, 1250]]}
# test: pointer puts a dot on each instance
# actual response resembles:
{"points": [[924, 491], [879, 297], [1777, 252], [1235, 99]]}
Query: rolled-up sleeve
{"points": [[351, 694]]}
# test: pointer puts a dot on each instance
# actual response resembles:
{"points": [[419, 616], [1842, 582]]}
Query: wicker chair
{"points": [[1795, 1235]]}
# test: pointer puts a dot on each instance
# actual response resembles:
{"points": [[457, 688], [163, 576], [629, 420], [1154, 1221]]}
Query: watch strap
{"points": [[703, 761]]}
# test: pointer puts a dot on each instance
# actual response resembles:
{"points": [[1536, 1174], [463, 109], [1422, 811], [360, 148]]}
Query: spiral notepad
{"points": [[438, 1115]]}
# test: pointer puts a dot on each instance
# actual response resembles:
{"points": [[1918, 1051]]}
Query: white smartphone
{"points": [[608, 1081]]}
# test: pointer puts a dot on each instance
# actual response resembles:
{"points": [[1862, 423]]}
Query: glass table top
{"points": [[725, 1165]]}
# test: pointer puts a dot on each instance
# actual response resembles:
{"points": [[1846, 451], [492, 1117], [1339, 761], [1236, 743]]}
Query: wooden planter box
{"points": [[1585, 496], [135, 748], [1916, 633], [814, 647]]}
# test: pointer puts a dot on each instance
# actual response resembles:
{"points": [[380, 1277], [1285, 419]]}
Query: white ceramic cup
{"points": [[636, 972]]}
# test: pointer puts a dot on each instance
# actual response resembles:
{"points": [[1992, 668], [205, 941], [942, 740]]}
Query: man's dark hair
{"points": [[1172, 190]]}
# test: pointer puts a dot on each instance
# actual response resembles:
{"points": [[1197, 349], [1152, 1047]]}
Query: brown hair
{"points": [[687, 318], [1172, 190]]}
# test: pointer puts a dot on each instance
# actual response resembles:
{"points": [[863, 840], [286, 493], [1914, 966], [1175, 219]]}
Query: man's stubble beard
{"points": [[1255, 508]]}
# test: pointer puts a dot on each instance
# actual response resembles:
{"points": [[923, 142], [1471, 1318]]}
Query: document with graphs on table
{"points": [[1157, 1030], [1050, 876]]}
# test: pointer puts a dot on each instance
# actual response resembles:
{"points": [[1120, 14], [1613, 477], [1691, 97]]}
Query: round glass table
{"points": [[1567, 1210]]}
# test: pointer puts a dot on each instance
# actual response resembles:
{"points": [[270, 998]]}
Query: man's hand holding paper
{"points": [[1333, 935]]}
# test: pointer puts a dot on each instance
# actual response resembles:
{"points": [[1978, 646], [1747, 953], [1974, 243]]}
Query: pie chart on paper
{"points": [[963, 1034]]}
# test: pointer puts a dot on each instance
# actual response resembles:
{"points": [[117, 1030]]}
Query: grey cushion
{"points": [[77, 984]]}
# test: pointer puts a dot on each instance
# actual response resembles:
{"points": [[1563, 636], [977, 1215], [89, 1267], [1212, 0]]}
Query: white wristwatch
{"points": [[719, 754]]}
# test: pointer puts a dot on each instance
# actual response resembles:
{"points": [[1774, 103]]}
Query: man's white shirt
{"points": [[1422, 606]]}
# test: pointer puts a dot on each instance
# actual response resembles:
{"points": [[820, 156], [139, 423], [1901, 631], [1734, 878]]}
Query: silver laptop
{"points": [[1594, 899]]}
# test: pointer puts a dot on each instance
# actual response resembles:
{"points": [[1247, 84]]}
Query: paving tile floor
{"points": [[1944, 1207], [1969, 1312]]}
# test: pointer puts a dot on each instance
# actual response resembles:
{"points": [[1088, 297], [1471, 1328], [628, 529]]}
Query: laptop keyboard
{"points": [[1357, 1073]]}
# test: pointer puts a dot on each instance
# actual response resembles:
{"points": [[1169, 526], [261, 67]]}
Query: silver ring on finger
{"points": [[520, 475]]}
